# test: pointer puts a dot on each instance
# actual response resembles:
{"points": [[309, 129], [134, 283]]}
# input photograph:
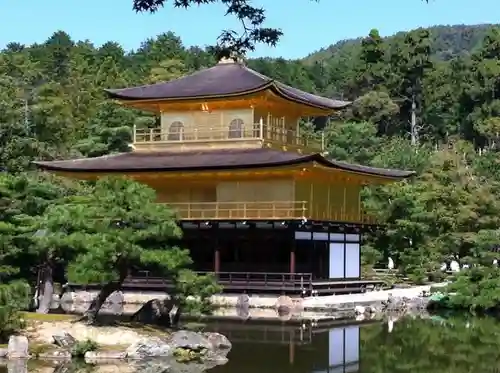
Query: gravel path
{"points": [[366, 298]]}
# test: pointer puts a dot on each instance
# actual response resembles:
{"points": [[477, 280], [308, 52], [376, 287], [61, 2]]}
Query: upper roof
{"points": [[226, 79], [207, 160]]}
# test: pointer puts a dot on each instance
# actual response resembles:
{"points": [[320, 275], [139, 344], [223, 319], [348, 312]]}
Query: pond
{"points": [[412, 345]]}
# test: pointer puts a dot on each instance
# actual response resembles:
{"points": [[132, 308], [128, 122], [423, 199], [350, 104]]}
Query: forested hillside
{"points": [[423, 102], [446, 42]]}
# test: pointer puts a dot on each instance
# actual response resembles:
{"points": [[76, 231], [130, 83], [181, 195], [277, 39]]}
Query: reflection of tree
{"points": [[427, 346]]}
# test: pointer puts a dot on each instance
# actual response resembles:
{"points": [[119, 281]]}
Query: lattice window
{"points": [[236, 128], [176, 131]]}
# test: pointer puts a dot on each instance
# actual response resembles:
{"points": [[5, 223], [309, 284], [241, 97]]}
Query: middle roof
{"points": [[226, 79]]}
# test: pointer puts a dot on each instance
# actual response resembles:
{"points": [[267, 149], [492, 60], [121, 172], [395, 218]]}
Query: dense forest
{"points": [[426, 100]]}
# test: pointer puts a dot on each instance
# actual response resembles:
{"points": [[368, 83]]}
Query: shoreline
{"points": [[134, 300]]}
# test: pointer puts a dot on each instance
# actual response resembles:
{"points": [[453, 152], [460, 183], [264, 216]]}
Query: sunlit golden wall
{"points": [[330, 201], [199, 124], [279, 189]]}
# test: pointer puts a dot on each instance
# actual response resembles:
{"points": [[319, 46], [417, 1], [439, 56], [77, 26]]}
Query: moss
{"points": [[112, 347], [184, 355], [195, 326], [35, 349], [32, 316], [149, 330]]}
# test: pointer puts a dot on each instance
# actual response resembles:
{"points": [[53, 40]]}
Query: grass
{"points": [[33, 316], [150, 330], [113, 348], [39, 348]]}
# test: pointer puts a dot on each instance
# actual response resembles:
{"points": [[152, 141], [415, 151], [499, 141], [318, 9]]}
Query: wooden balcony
{"points": [[256, 134], [279, 210], [241, 210]]}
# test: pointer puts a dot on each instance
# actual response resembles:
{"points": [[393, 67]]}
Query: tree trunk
{"points": [[164, 312], [413, 122], [45, 289], [104, 293]]}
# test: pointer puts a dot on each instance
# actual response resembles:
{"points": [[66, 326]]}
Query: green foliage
{"points": [[475, 290], [116, 225], [82, 347], [446, 212], [14, 297], [435, 345], [200, 287], [24, 197], [352, 141]]}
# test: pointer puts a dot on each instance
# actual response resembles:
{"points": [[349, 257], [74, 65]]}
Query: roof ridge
{"points": [[160, 83]]}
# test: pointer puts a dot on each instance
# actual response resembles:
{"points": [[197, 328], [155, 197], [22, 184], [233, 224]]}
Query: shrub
{"points": [[14, 297], [474, 289], [81, 347]]}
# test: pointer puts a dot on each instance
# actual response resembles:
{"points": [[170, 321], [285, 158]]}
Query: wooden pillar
{"points": [[217, 260], [292, 257]]}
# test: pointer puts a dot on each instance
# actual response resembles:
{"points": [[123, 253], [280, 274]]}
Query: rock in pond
{"points": [[149, 347], [100, 357], [189, 340], [55, 355], [64, 340], [17, 366], [4, 352], [207, 346], [359, 310], [18, 347]]}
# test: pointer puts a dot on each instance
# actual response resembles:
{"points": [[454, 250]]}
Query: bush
{"points": [[474, 289], [81, 347], [14, 297], [418, 276]]}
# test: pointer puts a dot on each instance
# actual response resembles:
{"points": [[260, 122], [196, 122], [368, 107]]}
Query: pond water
{"points": [[412, 346]]}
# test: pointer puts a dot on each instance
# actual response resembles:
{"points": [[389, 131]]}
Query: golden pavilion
{"points": [[260, 204]]}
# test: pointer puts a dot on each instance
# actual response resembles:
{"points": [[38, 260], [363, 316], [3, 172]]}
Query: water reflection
{"points": [[430, 345], [412, 346], [292, 348]]}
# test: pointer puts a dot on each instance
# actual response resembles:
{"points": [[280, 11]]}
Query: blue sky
{"points": [[308, 25]]}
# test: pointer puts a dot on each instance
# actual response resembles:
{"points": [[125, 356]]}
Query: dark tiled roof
{"points": [[206, 160], [223, 79]]}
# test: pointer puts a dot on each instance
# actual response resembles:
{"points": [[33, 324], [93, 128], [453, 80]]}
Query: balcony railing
{"points": [[257, 131], [277, 210], [241, 210]]}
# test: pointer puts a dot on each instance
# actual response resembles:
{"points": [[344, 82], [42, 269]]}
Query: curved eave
{"points": [[115, 94], [275, 88], [389, 174], [65, 166], [282, 93]]}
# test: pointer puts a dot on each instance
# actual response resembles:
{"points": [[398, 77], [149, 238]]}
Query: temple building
{"points": [[260, 203]]}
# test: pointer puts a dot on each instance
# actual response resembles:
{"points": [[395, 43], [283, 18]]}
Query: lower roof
{"points": [[207, 160]]}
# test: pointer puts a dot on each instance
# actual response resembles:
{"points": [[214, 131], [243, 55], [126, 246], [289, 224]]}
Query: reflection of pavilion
{"points": [[272, 347]]}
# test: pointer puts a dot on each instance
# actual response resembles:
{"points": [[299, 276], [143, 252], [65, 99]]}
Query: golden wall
{"points": [[289, 121], [330, 201], [269, 198], [201, 125], [229, 191]]}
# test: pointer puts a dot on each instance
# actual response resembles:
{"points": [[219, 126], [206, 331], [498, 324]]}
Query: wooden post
{"points": [[292, 257], [291, 349], [217, 260]]}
